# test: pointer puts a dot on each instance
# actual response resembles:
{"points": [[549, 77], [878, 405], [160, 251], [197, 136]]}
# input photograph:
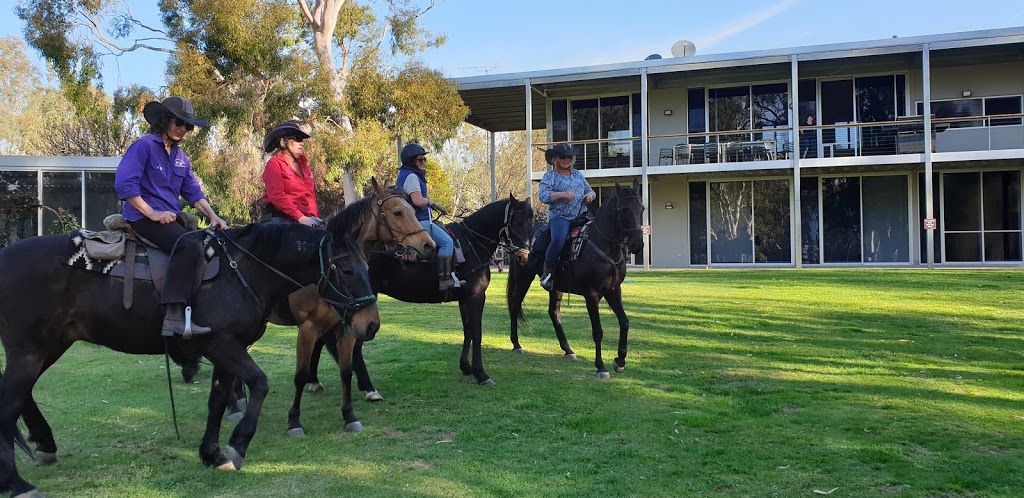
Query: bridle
{"points": [[504, 237], [329, 274], [398, 244], [620, 243]]}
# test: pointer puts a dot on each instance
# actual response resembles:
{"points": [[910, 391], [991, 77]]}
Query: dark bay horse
{"points": [[384, 223], [505, 223], [46, 306], [597, 273]]}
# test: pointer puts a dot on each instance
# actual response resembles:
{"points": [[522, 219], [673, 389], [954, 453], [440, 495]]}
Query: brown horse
{"points": [[46, 306], [385, 223]]}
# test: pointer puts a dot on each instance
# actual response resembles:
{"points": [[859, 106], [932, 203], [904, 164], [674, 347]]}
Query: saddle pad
{"points": [[81, 259]]}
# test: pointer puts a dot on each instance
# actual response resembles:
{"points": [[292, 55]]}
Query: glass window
{"points": [[61, 192], [840, 213], [559, 120], [100, 199], [1003, 105], [584, 127], [17, 224], [772, 239], [695, 114], [732, 222], [837, 108], [809, 221], [728, 110], [956, 108], [1002, 215], [876, 102], [637, 127], [901, 95], [961, 198], [886, 232], [615, 123], [698, 224]]}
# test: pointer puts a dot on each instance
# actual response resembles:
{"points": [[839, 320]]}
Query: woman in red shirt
{"points": [[289, 196]]}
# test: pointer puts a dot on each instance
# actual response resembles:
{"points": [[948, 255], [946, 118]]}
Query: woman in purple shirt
{"points": [[152, 177]]}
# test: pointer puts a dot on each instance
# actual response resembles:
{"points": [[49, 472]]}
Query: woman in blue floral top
{"points": [[564, 190]]}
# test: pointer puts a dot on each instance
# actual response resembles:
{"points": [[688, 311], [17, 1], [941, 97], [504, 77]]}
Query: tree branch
{"points": [[93, 26], [304, 7]]}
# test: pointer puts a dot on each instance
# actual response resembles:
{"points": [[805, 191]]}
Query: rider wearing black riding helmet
{"points": [[413, 178]]}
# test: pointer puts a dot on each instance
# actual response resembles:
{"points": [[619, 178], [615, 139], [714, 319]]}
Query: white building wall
{"points": [[670, 238], [982, 80]]}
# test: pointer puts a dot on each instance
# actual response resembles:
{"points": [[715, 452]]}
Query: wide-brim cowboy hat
{"points": [[287, 129], [179, 107], [559, 150]]}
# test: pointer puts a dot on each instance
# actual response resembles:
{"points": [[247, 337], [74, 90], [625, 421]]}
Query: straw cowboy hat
{"points": [[179, 107]]}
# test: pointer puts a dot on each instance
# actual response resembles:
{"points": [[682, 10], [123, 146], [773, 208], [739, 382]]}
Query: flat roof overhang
{"points": [[498, 102]]}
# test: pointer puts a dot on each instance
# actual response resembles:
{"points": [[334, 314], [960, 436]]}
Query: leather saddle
{"points": [[120, 252]]}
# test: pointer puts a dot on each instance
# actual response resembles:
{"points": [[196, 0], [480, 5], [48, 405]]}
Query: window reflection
{"points": [[15, 225]]}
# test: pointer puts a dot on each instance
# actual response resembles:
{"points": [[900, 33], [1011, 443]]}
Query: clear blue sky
{"points": [[501, 36]]}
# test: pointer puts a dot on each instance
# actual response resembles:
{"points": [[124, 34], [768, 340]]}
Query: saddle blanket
{"points": [[88, 244]]}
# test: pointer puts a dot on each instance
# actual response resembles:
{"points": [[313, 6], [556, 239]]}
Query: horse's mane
{"points": [[492, 211], [356, 212]]}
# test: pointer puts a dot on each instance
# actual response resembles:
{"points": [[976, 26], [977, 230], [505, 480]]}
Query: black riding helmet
{"points": [[559, 150], [410, 151]]}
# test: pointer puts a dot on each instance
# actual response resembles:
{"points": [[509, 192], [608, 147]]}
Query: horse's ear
{"points": [[511, 196], [617, 186], [377, 187], [636, 185]]}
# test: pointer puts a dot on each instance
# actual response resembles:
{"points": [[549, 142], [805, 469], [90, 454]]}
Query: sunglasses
{"points": [[181, 122], [421, 159], [296, 139], [563, 156]]}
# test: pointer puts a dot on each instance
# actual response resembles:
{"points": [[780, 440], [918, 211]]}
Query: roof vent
{"points": [[683, 48]]}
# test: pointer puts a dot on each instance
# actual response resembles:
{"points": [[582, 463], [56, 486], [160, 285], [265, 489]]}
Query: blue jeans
{"points": [[559, 231], [445, 246]]}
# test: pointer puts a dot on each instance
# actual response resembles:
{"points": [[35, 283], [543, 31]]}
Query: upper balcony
{"points": [[902, 141]]}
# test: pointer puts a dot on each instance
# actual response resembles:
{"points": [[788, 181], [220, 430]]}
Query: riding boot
{"points": [[445, 281], [174, 322], [547, 280]]}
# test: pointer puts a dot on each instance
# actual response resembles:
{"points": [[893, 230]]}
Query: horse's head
{"points": [[629, 209], [518, 224], [397, 223], [346, 286]]}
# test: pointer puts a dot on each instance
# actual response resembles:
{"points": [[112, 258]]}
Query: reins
{"points": [[400, 248]]}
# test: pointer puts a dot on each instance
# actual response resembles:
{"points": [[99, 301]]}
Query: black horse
{"points": [[503, 223], [597, 272], [46, 306]]}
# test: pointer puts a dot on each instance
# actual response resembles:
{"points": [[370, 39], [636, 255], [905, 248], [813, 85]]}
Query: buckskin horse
{"points": [[504, 223], [383, 223], [597, 272], [46, 306]]}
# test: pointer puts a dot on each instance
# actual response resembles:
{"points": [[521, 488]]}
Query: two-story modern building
{"points": [[904, 151]]}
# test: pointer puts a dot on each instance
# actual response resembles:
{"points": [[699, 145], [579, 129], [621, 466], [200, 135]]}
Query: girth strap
{"points": [[129, 273]]}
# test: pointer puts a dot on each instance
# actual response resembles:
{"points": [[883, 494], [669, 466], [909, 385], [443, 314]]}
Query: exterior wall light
{"points": [[966, 93], [668, 112], [668, 205]]}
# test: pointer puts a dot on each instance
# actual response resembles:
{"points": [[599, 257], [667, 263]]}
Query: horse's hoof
{"points": [[488, 382], [356, 426], [315, 387], [603, 375], [518, 351], [617, 368], [296, 432], [234, 460], [45, 458], [236, 417], [570, 356], [34, 493], [374, 396]]}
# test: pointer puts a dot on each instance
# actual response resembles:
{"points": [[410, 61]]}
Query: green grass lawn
{"points": [[738, 383]]}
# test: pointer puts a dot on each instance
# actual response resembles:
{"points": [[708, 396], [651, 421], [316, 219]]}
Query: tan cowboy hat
{"points": [[179, 107]]}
